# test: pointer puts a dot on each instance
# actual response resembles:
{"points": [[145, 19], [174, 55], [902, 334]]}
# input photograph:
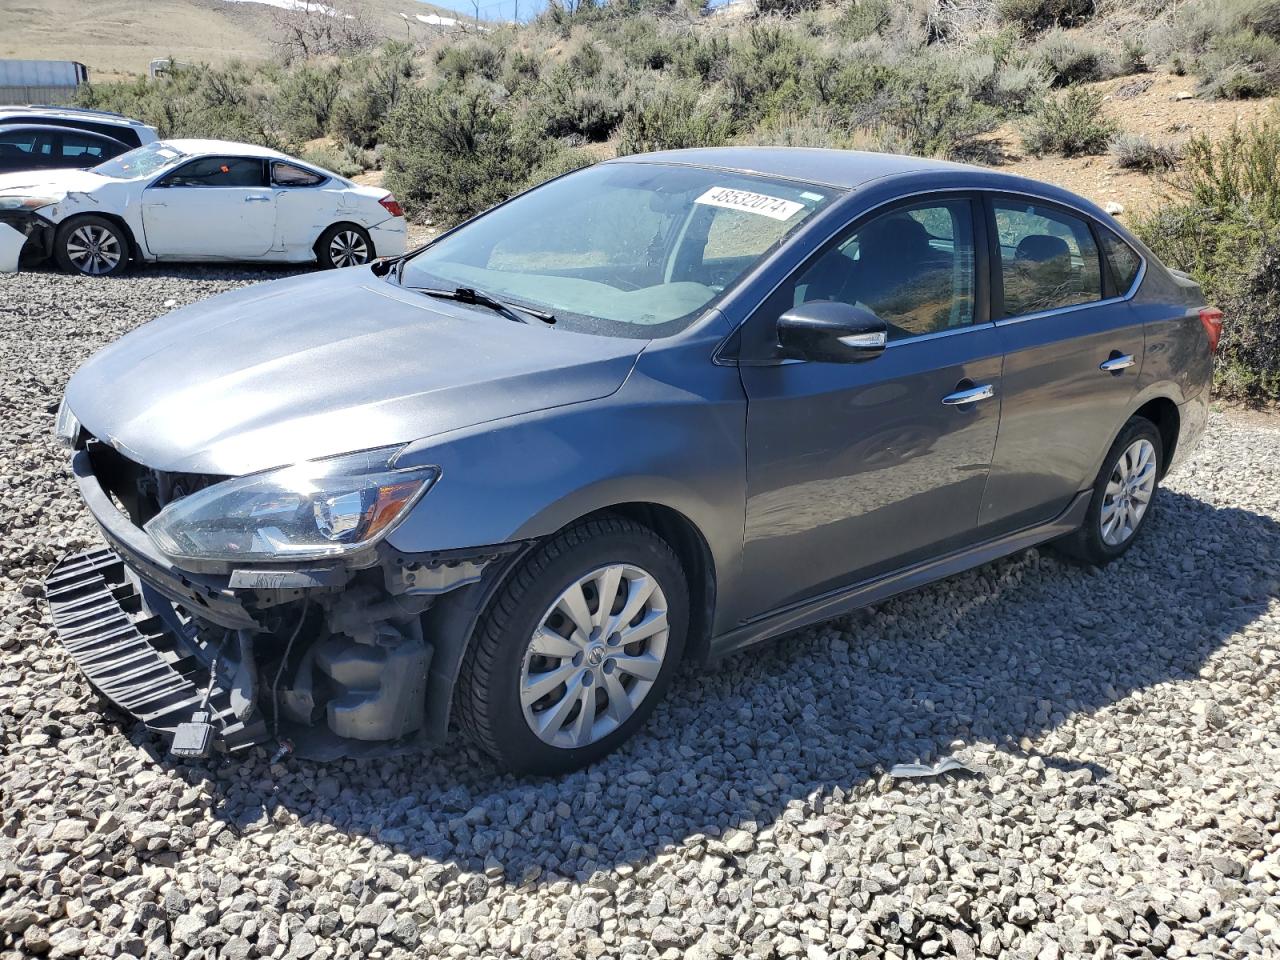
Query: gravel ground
{"points": [[1122, 727]]}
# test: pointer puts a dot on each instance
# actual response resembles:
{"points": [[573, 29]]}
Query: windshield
{"points": [[142, 162], [626, 249]]}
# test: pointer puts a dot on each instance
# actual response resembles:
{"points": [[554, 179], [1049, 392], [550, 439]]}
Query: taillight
{"points": [[1211, 318], [392, 205]]}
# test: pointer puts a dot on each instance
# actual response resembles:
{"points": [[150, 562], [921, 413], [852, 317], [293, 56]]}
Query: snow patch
{"points": [[308, 6]]}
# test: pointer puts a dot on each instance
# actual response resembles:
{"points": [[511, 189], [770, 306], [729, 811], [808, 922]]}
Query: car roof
{"points": [[844, 169], [15, 113], [190, 145], [852, 170], [6, 125]]}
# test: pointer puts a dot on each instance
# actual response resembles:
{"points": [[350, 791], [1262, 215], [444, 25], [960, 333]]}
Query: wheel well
{"points": [[135, 252], [373, 247], [1163, 412], [695, 557]]}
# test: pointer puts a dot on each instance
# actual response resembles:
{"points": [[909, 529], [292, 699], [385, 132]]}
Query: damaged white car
{"points": [[194, 200]]}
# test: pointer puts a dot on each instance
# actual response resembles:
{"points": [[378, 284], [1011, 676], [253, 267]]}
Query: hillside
{"points": [[121, 37]]}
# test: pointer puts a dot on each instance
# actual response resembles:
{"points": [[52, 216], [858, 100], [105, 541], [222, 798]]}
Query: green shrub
{"points": [[304, 99], [570, 106], [1035, 15], [1071, 58], [379, 84], [1069, 124], [461, 61], [346, 160], [934, 114], [453, 151], [864, 18], [1221, 223], [1134, 151], [672, 117], [1240, 65], [798, 130], [1233, 46]]}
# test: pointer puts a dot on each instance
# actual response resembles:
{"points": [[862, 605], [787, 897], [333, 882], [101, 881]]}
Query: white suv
{"points": [[133, 133]]}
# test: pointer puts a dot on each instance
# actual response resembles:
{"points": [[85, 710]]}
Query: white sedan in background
{"points": [[195, 200]]}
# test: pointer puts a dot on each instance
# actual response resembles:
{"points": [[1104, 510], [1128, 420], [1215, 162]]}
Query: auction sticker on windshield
{"points": [[766, 206]]}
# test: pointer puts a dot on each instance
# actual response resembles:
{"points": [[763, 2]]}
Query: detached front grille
{"points": [[139, 491]]}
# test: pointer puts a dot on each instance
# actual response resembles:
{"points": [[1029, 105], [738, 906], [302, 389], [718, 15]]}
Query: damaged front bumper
{"points": [[23, 235], [334, 659]]}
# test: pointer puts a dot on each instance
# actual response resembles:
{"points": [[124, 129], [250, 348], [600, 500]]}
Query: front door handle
{"points": [[972, 395], [257, 199], [1116, 364]]}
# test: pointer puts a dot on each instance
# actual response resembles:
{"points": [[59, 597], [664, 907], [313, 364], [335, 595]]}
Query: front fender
{"points": [[655, 441]]}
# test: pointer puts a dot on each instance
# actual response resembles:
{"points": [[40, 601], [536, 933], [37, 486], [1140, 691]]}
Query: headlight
{"points": [[310, 511], [67, 428], [26, 203]]}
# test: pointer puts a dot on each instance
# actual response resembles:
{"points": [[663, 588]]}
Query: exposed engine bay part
{"points": [[379, 688]]}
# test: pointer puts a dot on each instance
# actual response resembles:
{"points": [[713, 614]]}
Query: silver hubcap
{"points": [[1129, 492], [348, 249], [595, 656], [94, 249]]}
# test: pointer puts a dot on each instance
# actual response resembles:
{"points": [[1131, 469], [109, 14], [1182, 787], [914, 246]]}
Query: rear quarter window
{"points": [[1122, 260]]}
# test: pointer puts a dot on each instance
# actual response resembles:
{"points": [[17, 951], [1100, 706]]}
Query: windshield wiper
{"points": [[478, 298]]}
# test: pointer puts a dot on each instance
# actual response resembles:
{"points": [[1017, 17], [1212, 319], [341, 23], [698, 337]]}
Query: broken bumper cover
{"points": [[23, 232], [136, 649]]}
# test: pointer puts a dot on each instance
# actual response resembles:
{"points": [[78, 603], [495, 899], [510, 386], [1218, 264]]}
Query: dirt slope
{"points": [[1146, 104], [121, 36]]}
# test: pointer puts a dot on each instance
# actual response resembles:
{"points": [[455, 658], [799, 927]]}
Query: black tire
{"points": [[1087, 544], [344, 236], [92, 247], [488, 702]]}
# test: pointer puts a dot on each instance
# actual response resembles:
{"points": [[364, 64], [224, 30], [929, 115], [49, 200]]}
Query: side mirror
{"points": [[831, 332]]}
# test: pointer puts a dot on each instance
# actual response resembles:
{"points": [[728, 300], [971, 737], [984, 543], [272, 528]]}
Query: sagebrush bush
{"points": [[674, 117], [1232, 46], [345, 159], [378, 84], [1135, 151], [1070, 124], [304, 99], [1221, 223], [1071, 58], [455, 150], [1036, 15]]}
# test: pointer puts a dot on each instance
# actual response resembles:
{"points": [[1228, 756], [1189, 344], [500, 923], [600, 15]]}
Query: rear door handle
{"points": [[257, 199], [972, 395], [1116, 364]]}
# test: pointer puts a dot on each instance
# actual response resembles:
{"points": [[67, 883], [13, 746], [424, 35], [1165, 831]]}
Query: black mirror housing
{"points": [[828, 331]]}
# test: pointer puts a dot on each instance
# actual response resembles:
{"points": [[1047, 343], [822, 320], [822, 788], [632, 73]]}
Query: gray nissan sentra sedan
{"points": [[650, 412]]}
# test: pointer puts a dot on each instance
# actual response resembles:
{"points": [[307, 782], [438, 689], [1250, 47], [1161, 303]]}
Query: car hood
{"points": [[54, 183], [320, 365]]}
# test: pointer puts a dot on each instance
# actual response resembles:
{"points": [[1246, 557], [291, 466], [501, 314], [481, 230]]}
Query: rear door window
{"points": [[1048, 258], [288, 175], [1122, 260], [218, 172]]}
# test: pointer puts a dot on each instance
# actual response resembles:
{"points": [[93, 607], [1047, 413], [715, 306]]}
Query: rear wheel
{"points": [[1122, 495], [92, 246], [344, 245], [576, 649]]}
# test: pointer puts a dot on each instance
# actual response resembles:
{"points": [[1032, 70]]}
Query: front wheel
{"points": [[1122, 495], [344, 245], [91, 246], [577, 648]]}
